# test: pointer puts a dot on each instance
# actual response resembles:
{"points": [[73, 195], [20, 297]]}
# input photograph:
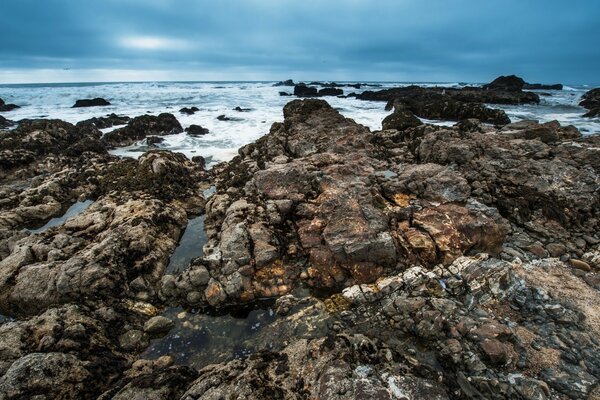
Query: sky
{"points": [[547, 41]]}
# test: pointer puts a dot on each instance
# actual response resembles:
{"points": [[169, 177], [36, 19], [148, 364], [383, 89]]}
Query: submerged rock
{"points": [[106, 122], [288, 82]]}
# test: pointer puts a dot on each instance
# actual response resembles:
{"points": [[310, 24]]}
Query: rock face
{"points": [[140, 127], [442, 262], [97, 102], [591, 101]]}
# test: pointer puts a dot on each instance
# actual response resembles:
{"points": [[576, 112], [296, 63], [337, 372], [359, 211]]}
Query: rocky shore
{"points": [[414, 262]]}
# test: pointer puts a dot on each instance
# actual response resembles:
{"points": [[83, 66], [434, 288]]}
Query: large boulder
{"points": [[97, 102], [141, 127], [196, 130], [301, 90], [330, 91], [510, 83]]}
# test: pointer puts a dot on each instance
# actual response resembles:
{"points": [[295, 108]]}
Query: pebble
{"points": [[582, 265]]}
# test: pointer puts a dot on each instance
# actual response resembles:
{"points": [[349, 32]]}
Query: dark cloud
{"points": [[470, 40]]}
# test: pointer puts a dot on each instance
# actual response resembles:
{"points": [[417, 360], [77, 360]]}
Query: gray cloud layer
{"points": [[472, 40]]}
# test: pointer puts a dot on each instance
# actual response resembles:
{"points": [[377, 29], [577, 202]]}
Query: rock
{"points": [[158, 325], [141, 127], [154, 140], [469, 95], [301, 90], [401, 119], [106, 122], [47, 375], [98, 101], [540, 86], [133, 340], [579, 264], [224, 118], [189, 110], [7, 107], [284, 94], [591, 99], [430, 105], [593, 113], [330, 92], [510, 83], [240, 109], [288, 82], [196, 130], [5, 123]]}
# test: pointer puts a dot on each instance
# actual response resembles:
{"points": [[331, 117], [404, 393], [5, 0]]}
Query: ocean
{"points": [[220, 98]]}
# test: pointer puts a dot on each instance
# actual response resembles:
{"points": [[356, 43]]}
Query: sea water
{"points": [[220, 98]]}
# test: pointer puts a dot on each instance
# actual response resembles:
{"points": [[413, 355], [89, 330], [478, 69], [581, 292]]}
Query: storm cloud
{"points": [[401, 40]]}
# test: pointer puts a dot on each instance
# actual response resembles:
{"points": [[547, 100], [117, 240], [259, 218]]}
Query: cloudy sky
{"points": [[389, 40]]}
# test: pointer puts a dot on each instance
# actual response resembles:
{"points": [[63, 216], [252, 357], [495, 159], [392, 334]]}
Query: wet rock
{"points": [[106, 122], [510, 83], [196, 130], [284, 94], [541, 86], [7, 107], [158, 325], [401, 119], [301, 90], [140, 127], [133, 340], [288, 82], [98, 101], [330, 92], [154, 140], [189, 110], [240, 109], [5, 123], [591, 99], [434, 105]]}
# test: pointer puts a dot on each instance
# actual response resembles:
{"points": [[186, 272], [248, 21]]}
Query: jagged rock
{"points": [[98, 101], [140, 127]]}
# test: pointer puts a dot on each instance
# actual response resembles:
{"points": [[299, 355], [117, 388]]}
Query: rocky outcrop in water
{"points": [[140, 127], [7, 107], [189, 110], [443, 262], [97, 102], [5, 123], [106, 122], [591, 101], [503, 90], [196, 130], [288, 82]]}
